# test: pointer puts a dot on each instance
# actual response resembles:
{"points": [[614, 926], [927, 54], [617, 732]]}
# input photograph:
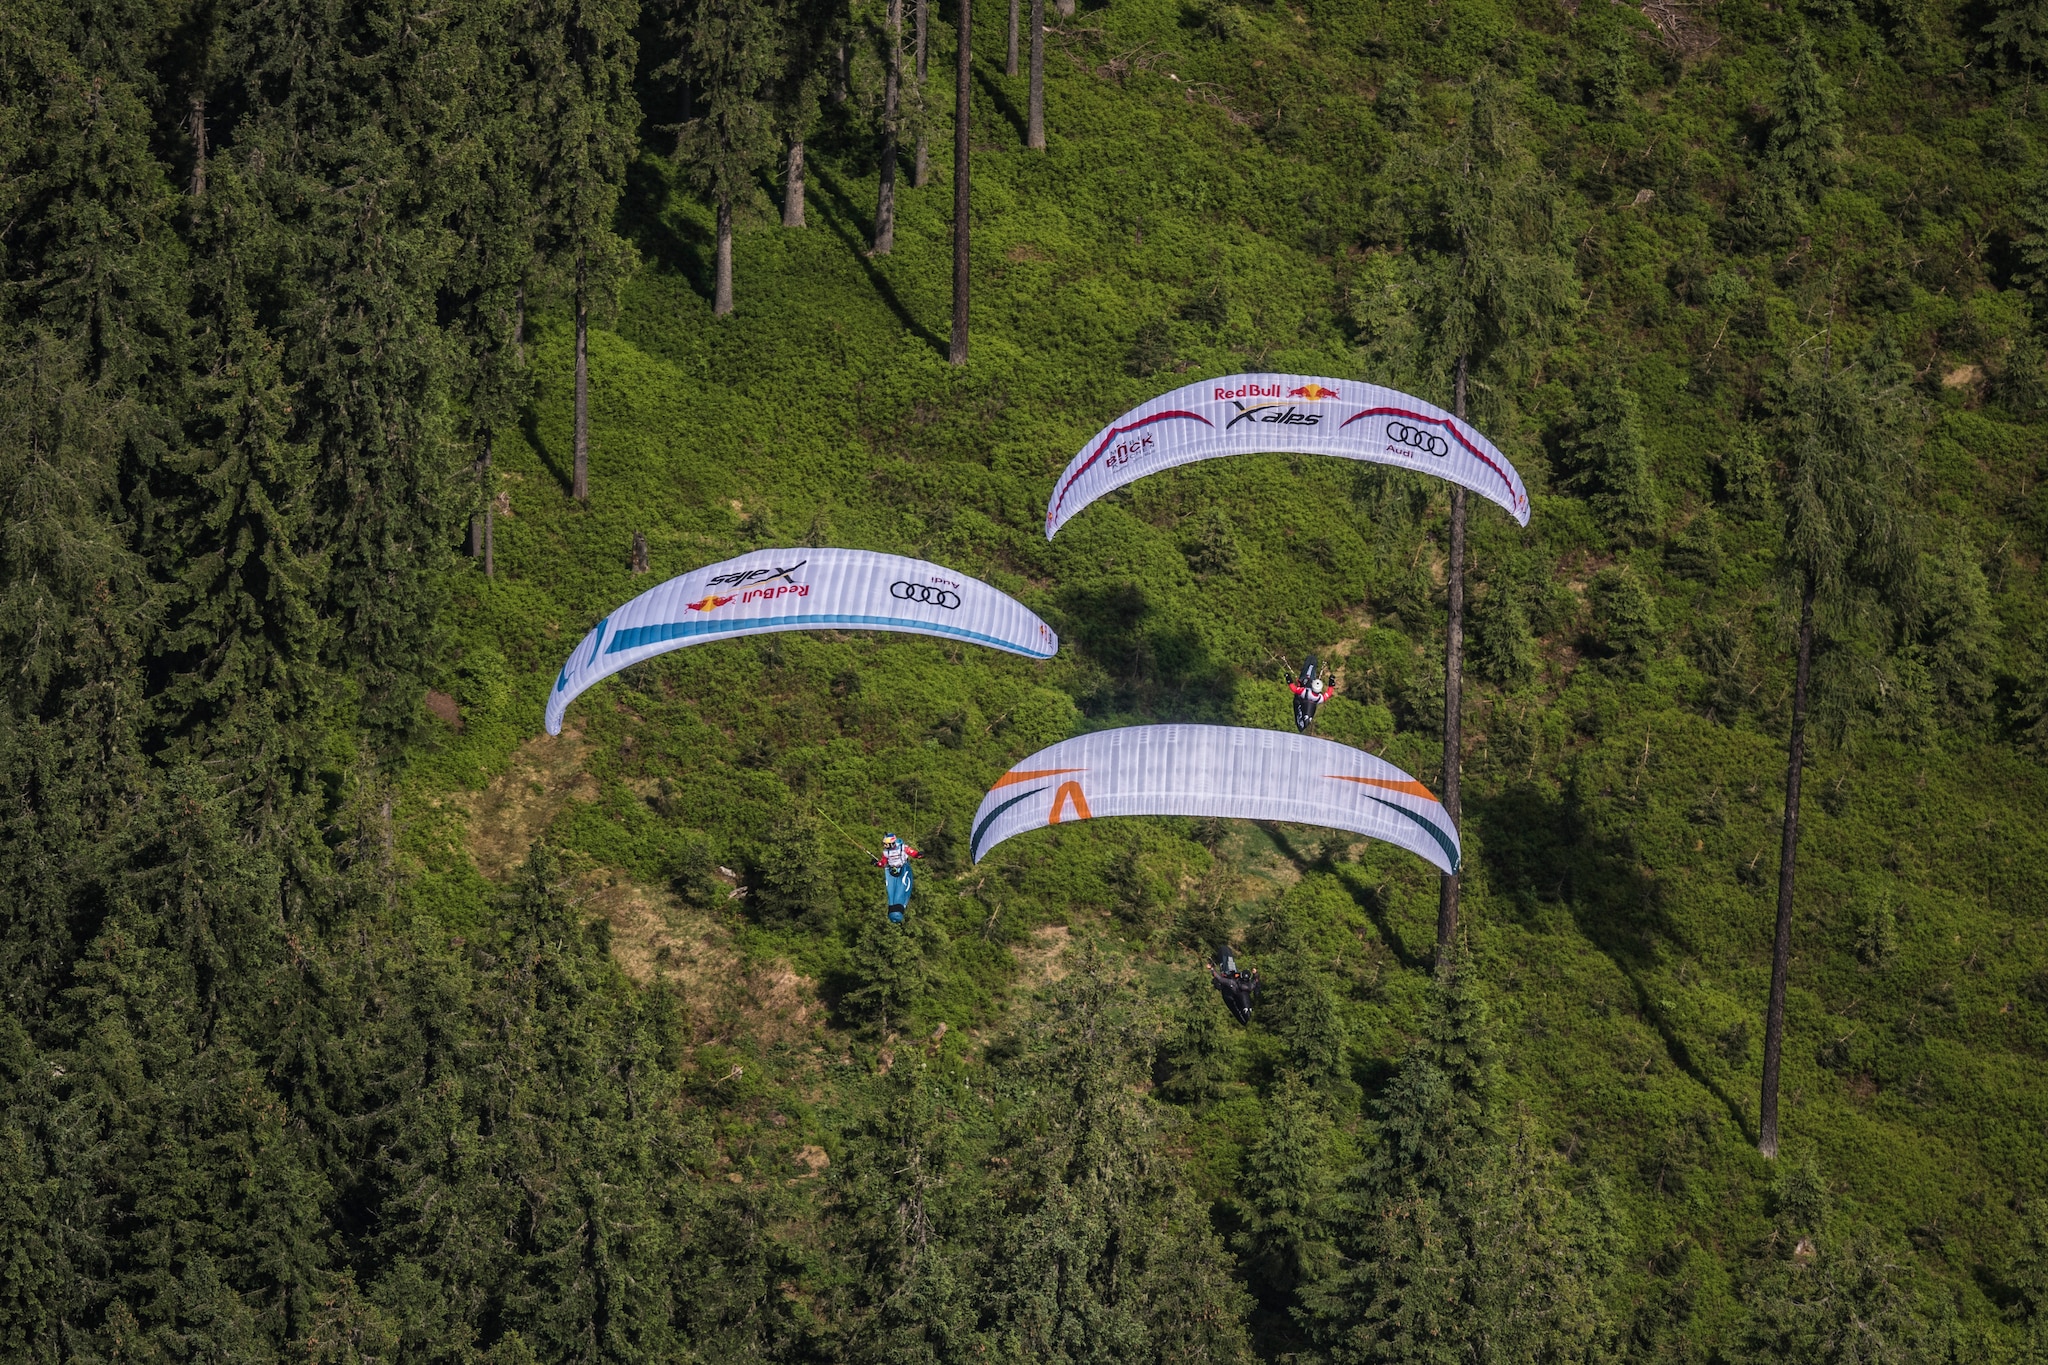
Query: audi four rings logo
{"points": [[925, 593], [1418, 438]]}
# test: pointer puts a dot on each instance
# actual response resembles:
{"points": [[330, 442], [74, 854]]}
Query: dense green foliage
{"points": [[348, 1017]]}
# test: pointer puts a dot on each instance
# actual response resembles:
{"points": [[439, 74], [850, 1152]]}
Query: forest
{"points": [[357, 357]]}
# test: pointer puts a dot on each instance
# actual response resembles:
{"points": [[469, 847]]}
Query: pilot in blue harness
{"points": [[895, 865]]}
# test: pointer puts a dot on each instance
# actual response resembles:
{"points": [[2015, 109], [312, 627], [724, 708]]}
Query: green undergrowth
{"points": [[1208, 205]]}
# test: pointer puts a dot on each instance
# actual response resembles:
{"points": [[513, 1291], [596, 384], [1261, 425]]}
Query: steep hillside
{"points": [[1226, 189]]}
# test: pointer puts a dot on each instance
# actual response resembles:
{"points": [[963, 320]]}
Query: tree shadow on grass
{"points": [[1367, 898], [1545, 847], [529, 426], [841, 218], [984, 74], [673, 242]]}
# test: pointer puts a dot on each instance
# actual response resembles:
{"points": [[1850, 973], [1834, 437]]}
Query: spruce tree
{"points": [[892, 128], [1034, 123], [1609, 461], [2017, 34], [1286, 1193], [578, 58], [1498, 281], [963, 185], [1805, 143], [1843, 556], [910, 1205], [732, 55], [1102, 1253], [1458, 1239], [91, 357]]}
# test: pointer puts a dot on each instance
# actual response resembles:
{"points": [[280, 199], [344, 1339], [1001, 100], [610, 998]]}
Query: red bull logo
{"points": [[1313, 392], [708, 603]]}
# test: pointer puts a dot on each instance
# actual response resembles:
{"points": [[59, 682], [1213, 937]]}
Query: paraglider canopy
{"points": [[1216, 770], [1244, 414], [799, 589]]}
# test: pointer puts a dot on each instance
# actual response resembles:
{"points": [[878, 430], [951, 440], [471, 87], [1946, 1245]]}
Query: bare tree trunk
{"points": [[1454, 687], [892, 97], [921, 172], [637, 561], [1010, 58], [490, 514], [197, 125], [1781, 946], [1034, 134], [579, 485], [842, 74], [721, 290], [483, 495], [962, 187], [793, 193]]}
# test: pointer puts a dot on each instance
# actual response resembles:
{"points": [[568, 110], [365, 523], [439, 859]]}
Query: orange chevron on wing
{"points": [[1011, 779], [1406, 786]]}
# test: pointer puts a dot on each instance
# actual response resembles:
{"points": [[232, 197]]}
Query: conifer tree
{"points": [[1499, 280], [1805, 144], [1843, 552], [1034, 121], [1197, 1058], [909, 1199], [963, 185], [798, 87], [244, 649], [920, 105], [1458, 1241], [2017, 33], [1103, 1254], [1609, 461], [91, 351], [1823, 1295], [732, 56], [579, 59], [495, 223], [892, 127], [1286, 1193]]}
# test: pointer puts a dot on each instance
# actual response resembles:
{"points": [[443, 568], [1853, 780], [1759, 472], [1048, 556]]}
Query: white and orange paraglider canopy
{"points": [[1217, 770]]}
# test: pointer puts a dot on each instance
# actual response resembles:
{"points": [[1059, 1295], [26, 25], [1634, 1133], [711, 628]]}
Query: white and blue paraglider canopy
{"points": [[1221, 770], [799, 589], [1248, 414]]}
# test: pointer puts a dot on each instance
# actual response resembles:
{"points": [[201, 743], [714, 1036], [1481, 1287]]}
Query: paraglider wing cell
{"points": [[799, 589], [1216, 770], [1246, 414]]}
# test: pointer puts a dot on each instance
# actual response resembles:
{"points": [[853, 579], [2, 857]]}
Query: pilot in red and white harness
{"points": [[1310, 692]]}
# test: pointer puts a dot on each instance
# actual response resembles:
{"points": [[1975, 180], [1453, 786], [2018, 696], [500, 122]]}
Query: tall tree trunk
{"points": [[1781, 946], [1034, 134], [1010, 57], [921, 173], [962, 111], [490, 511], [483, 498], [1454, 686], [579, 485], [721, 291], [793, 193], [892, 97], [197, 126], [842, 74]]}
